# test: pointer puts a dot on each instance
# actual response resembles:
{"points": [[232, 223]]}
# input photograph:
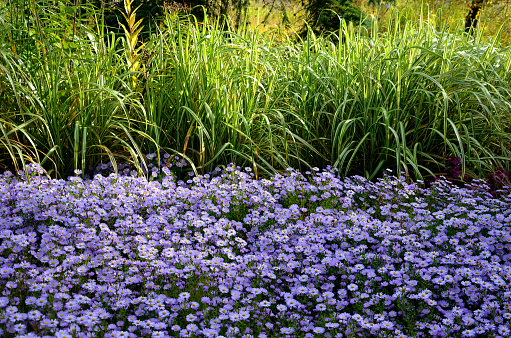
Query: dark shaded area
{"points": [[324, 16], [150, 11], [471, 18]]}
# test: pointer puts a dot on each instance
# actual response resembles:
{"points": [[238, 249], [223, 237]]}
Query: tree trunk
{"points": [[224, 11], [471, 18]]}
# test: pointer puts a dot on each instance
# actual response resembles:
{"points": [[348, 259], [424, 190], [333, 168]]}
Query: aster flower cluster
{"points": [[157, 167], [226, 255]]}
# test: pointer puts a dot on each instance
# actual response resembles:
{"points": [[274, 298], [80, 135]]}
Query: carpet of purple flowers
{"points": [[226, 255]]}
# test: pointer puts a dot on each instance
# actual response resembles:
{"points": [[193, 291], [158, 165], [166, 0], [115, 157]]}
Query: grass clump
{"points": [[406, 98]]}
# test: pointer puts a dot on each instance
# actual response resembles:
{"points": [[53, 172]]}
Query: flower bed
{"points": [[298, 255]]}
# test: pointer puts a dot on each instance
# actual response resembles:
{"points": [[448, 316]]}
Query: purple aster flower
{"points": [[353, 287]]}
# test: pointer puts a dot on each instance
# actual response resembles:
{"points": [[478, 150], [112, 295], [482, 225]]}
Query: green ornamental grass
{"points": [[74, 94]]}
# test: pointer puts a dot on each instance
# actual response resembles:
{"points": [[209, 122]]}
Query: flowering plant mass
{"points": [[227, 255]]}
